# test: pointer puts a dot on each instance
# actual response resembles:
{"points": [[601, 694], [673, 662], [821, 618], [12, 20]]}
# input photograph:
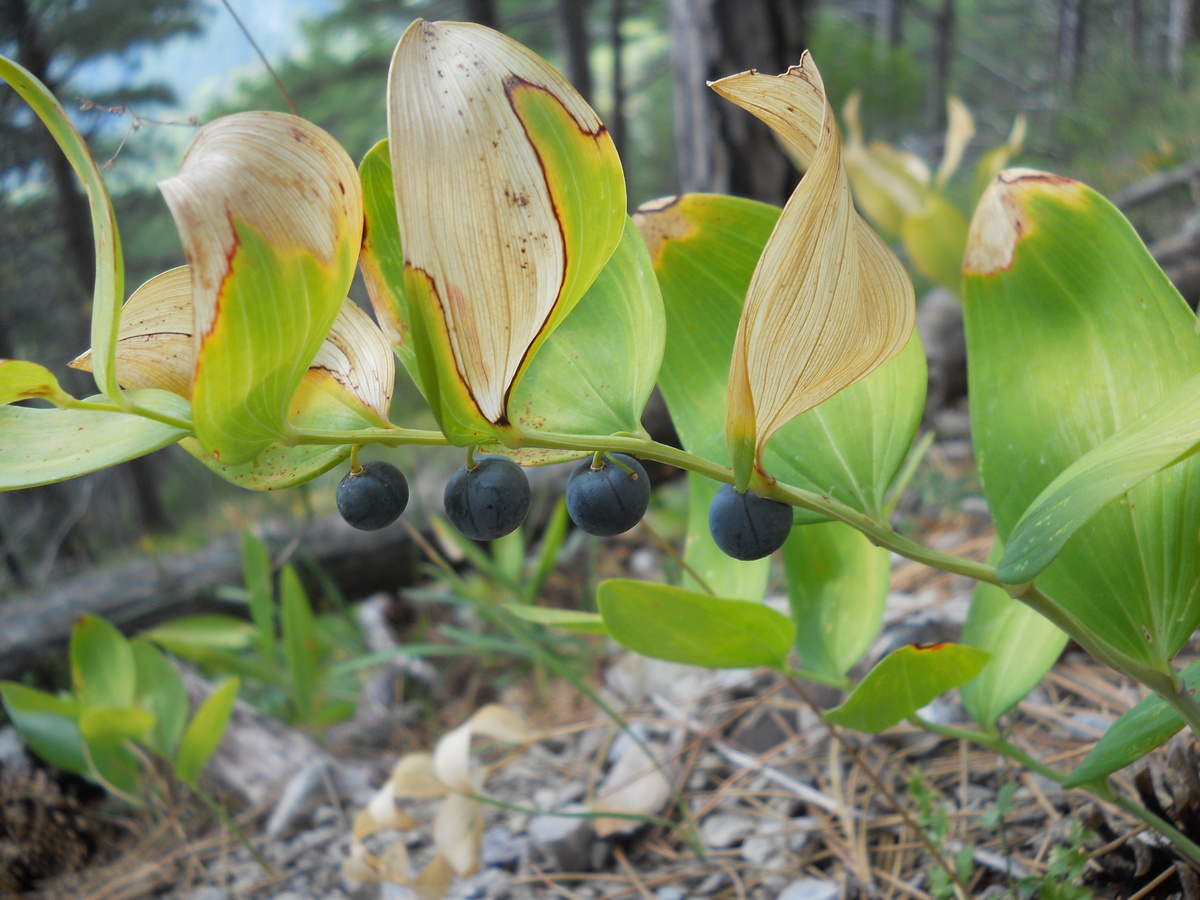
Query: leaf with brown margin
{"points": [[510, 200], [269, 209], [828, 302]]}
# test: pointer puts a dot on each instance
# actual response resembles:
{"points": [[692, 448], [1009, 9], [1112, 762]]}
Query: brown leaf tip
{"points": [[1001, 219], [661, 221]]}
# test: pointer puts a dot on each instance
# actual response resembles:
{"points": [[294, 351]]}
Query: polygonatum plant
{"points": [[535, 317]]}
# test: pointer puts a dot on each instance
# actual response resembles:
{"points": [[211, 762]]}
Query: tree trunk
{"points": [[943, 57], [616, 42], [720, 147], [572, 24], [889, 24], [483, 12], [1072, 27], [1179, 30]]}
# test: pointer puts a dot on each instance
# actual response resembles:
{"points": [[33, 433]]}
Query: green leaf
{"points": [[40, 446], [204, 732], [683, 626], [1073, 332], [569, 619], [837, 585], [103, 671], [269, 210], [160, 691], [21, 380], [299, 641], [110, 267], [904, 681], [49, 725], [256, 573], [111, 726], [704, 249], [1148, 725], [1167, 434], [595, 372], [1024, 646], [226, 632]]}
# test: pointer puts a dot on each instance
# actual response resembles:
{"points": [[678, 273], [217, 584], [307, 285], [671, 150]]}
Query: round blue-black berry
{"points": [[373, 497], [608, 500], [746, 526], [488, 501]]}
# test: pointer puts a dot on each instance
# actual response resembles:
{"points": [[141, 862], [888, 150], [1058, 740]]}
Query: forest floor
{"points": [[780, 807]]}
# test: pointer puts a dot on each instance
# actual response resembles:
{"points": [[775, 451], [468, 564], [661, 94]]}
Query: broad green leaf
{"points": [[704, 249], [225, 632], [568, 619], [1149, 725], [299, 636], [594, 374], [1024, 646], [256, 572], [480, 125], [837, 584], [49, 725], [904, 681], [110, 266], [828, 302], [160, 691], [21, 380], [683, 626], [269, 208], [103, 671], [1073, 332], [1168, 433], [40, 446], [934, 238], [204, 732], [112, 726]]}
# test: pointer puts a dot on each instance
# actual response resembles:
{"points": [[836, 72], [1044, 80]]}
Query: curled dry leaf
{"points": [[155, 349], [828, 302], [510, 199], [634, 785], [269, 209]]}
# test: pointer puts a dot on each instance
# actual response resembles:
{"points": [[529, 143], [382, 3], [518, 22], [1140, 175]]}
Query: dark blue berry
{"points": [[373, 497], [488, 501], [746, 526], [608, 500]]}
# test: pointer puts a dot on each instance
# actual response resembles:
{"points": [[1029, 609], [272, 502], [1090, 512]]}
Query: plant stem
{"points": [[1182, 843]]}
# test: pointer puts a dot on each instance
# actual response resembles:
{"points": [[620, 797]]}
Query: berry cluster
{"points": [[606, 495]]}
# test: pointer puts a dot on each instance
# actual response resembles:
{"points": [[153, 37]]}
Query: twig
{"points": [[262, 56]]}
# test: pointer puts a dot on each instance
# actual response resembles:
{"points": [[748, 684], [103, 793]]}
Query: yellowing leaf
{"points": [[828, 302], [269, 209], [888, 184], [21, 380], [510, 199], [960, 128]]}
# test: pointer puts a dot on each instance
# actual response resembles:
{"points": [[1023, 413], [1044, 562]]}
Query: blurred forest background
{"points": [[1111, 89]]}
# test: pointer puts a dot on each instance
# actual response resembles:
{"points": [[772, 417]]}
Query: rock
{"points": [[298, 797], [722, 830], [810, 889], [775, 840], [501, 849], [712, 884], [564, 841], [208, 893], [670, 892]]}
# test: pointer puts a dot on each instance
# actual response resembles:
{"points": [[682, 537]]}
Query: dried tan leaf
{"points": [[457, 833], [357, 356], [452, 756], [435, 879], [414, 778], [382, 814], [509, 195], [633, 785], [960, 128], [247, 162], [815, 321]]}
